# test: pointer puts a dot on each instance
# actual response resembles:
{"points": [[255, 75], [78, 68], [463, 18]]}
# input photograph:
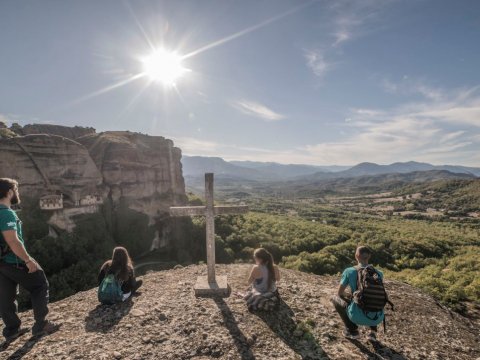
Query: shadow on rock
{"points": [[241, 342], [296, 335], [25, 349], [378, 351], [104, 317]]}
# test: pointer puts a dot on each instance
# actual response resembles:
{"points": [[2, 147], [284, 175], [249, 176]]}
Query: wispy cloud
{"points": [[257, 109], [468, 114], [345, 20], [193, 146], [351, 18], [341, 35], [409, 86], [345, 26], [315, 60], [442, 129], [457, 106], [4, 119]]}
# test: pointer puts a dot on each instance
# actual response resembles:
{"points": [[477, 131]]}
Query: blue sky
{"points": [[318, 82]]}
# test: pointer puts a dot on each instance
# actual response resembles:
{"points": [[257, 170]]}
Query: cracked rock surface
{"points": [[166, 321]]}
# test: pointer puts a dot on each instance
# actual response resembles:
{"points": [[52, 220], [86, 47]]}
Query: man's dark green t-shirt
{"points": [[10, 221]]}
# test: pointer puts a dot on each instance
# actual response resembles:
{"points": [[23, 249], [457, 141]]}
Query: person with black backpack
{"points": [[17, 267], [368, 300], [116, 280]]}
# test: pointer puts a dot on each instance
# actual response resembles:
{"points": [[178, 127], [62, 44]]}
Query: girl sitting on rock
{"points": [[116, 279], [262, 293]]}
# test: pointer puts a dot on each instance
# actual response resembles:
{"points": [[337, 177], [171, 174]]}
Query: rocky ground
{"points": [[166, 321]]}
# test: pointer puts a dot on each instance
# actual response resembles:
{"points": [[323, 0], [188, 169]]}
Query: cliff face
{"points": [[166, 321], [48, 164], [122, 169], [143, 170]]}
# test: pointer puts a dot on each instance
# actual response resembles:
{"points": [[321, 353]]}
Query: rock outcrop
{"points": [[49, 164], [143, 170], [166, 321], [139, 172], [60, 130]]}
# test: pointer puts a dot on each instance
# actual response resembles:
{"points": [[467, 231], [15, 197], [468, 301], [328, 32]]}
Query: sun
{"points": [[164, 66]]}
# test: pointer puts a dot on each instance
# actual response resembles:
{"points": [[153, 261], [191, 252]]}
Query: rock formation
{"points": [[141, 172], [60, 130], [49, 164], [166, 321]]}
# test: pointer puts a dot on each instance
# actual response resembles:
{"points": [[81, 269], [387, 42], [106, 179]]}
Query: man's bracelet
{"points": [[28, 261]]}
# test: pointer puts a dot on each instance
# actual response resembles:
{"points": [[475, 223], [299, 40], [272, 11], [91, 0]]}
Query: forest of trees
{"points": [[458, 197], [442, 258]]}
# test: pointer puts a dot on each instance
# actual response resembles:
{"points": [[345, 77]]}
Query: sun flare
{"points": [[164, 66]]}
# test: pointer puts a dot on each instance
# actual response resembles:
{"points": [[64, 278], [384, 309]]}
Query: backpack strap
{"points": [[392, 307], [359, 280]]}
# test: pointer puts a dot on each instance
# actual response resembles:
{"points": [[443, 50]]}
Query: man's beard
{"points": [[15, 199]]}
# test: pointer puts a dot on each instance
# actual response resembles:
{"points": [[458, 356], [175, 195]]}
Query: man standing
{"points": [[17, 267], [369, 296]]}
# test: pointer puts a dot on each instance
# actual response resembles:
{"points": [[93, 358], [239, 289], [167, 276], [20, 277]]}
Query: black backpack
{"points": [[370, 295]]}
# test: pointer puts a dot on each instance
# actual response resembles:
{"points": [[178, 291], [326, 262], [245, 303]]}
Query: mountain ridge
{"points": [[367, 168], [195, 166], [387, 181]]}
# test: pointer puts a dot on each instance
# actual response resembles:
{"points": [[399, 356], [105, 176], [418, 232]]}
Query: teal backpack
{"points": [[110, 290]]}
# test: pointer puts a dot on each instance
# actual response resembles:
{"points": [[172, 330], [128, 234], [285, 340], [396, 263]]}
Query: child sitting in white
{"points": [[262, 292]]}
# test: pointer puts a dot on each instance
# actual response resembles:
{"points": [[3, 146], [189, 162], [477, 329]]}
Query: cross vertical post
{"points": [[210, 285], [210, 227]]}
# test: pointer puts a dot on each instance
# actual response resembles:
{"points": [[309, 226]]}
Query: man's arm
{"points": [[18, 249], [341, 290]]}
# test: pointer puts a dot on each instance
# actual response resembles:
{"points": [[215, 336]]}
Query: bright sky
{"points": [[320, 82]]}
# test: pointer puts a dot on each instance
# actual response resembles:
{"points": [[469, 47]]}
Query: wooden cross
{"points": [[209, 211]]}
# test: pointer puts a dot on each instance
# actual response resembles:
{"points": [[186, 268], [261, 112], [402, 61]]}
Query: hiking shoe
{"points": [[351, 334], [372, 336], [20, 332], [48, 328]]}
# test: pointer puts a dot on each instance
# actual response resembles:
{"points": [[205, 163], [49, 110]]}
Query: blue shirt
{"points": [[355, 314], [10, 221]]}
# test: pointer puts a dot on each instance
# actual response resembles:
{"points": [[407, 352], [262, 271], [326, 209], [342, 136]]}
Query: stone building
{"points": [[51, 202], [94, 199]]}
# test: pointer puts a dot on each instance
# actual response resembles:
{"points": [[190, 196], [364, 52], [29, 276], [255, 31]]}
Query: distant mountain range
{"points": [[195, 166], [367, 168], [370, 183], [250, 170], [291, 170]]}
